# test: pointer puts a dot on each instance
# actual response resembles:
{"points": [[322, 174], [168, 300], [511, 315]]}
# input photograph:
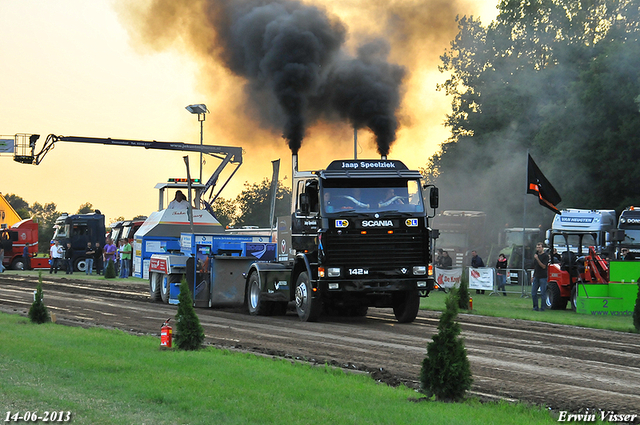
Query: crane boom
{"points": [[25, 152]]}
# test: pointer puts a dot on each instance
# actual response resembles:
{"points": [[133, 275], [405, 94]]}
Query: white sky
{"points": [[69, 68]]}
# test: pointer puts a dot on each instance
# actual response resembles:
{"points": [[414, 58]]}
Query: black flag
{"points": [[537, 184]]}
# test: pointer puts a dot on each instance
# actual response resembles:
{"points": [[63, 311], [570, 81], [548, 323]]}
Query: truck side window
{"points": [[312, 191]]}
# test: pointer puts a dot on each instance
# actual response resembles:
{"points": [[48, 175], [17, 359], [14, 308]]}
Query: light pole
{"points": [[200, 109]]}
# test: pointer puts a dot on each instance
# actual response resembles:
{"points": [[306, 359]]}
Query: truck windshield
{"points": [[368, 195], [61, 231]]}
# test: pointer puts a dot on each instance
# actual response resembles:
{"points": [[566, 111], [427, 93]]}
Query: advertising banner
{"points": [[481, 278], [448, 278]]}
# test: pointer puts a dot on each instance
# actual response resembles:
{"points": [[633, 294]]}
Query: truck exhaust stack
{"points": [[294, 164]]}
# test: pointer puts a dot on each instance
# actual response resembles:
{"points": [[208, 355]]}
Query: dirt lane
{"points": [[563, 367]]}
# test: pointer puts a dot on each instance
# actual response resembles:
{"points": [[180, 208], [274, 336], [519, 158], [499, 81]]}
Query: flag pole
{"points": [[524, 224]]}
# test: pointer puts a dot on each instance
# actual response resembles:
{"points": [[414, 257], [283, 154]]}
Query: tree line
{"points": [[250, 207], [557, 78]]}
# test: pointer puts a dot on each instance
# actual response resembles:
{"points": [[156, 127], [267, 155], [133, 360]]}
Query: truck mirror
{"points": [[304, 204], [434, 197]]}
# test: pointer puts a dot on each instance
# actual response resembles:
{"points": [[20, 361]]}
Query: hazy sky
{"points": [[78, 68]]}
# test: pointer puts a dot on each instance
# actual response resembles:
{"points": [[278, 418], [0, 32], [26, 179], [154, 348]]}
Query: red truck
{"points": [[13, 241]]}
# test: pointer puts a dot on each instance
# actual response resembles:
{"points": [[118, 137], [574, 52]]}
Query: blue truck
{"points": [[358, 236]]}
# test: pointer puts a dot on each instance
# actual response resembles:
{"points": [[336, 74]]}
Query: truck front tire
{"points": [[406, 305], [307, 306]]}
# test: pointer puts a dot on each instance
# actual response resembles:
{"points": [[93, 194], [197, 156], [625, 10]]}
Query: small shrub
{"points": [[446, 372], [189, 332], [463, 292], [636, 310], [38, 313], [110, 270]]}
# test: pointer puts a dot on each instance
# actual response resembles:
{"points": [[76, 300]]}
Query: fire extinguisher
{"points": [[165, 334]]}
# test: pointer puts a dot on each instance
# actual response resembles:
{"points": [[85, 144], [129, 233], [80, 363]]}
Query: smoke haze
{"points": [[299, 66]]}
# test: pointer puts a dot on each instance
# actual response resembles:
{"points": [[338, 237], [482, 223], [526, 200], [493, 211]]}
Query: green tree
{"points": [[254, 202], [463, 292], [86, 208], [38, 313], [557, 78], [46, 216], [446, 372], [110, 270], [19, 205], [225, 211], [189, 332]]}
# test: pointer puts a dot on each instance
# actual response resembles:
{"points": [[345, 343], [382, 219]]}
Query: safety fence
{"points": [[517, 281]]}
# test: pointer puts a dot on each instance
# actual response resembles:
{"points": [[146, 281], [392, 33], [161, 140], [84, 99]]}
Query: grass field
{"points": [[109, 377], [514, 306]]}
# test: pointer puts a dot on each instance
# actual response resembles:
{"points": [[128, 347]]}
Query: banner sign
{"points": [[448, 278], [6, 145], [481, 278]]}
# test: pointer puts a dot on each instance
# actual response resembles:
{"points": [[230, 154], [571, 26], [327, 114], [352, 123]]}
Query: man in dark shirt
{"points": [[26, 257], [541, 260], [68, 258], [97, 258], [476, 262]]}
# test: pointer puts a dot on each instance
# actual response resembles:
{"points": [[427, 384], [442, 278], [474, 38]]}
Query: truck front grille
{"points": [[375, 250]]}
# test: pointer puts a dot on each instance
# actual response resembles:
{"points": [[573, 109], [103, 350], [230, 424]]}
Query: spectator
{"points": [[97, 258], [1, 257], [56, 253], [501, 273], [109, 253], [68, 259], [625, 255], [125, 257], [446, 262], [476, 262], [541, 260], [179, 202], [26, 258], [89, 253]]}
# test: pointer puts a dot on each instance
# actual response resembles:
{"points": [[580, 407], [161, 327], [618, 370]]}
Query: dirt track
{"points": [[562, 367]]}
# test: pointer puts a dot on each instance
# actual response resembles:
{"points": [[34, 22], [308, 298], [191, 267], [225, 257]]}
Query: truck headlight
{"points": [[419, 270], [333, 272], [421, 284], [334, 286]]}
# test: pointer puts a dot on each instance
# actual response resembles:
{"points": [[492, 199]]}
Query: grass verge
{"points": [[109, 377], [514, 306]]}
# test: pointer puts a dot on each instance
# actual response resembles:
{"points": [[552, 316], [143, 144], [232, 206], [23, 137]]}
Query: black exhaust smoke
{"points": [[292, 59]]}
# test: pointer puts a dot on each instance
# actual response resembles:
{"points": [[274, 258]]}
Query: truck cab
{"points": [[599, 223], [78, 229], [629, 223], [358, 238]]}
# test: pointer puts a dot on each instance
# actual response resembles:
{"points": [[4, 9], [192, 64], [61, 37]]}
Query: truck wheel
{"points": [[574, 298], [155, 281], [17, 263], [256, 304], [164, 287], [406, 305], [553, 299], [80, 264], [307, 306]]}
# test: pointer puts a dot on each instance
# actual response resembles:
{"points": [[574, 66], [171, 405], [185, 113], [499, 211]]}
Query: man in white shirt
{"points": [[57, 253]]}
